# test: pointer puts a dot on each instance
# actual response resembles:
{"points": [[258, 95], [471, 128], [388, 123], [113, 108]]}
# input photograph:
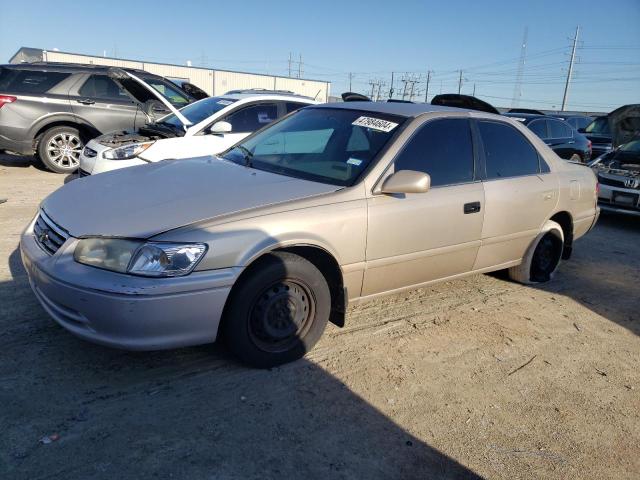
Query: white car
{"points": [[206, 127]]}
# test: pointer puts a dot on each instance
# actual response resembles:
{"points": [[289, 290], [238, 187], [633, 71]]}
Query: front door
{"points": [[417, 238]]}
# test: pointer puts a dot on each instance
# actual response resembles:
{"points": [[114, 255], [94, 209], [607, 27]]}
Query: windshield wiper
{"points": [[247, 155]]}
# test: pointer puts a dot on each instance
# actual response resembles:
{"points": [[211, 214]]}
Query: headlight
{"points": [[128, 151], [150, 259]]}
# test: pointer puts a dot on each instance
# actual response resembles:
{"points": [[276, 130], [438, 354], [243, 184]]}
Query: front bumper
{"points": [[126, 311], [619, 200]]}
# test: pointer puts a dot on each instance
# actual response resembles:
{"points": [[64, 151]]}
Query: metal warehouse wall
{"points": [[214, 82]]}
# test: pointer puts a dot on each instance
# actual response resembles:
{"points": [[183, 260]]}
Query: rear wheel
{"points": [[278, 312], [59, 149], [543, 256]]}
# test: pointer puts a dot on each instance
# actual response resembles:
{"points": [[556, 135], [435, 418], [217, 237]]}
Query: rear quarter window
{"points": [[29, 81]]}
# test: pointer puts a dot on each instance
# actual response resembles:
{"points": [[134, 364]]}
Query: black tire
{"points": [[546, 258], [59, 149], [277, 312]]}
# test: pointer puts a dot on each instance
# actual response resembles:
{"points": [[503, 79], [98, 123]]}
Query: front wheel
{"points": [[59, 149], [278, 311]]}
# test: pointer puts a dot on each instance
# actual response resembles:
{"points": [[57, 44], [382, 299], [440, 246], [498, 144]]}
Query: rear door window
{"points": [[29, 81], [559, 129], [507, 152], [102, 87], [539, 127], [441, 148], [253, 117]]}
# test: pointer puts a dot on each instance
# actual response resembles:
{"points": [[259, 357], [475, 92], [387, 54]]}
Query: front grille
{"points": [[610, 181], [613, 182], [49, 236], [89, 152]]}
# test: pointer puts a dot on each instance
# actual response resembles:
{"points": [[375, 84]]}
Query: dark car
{"points": [[558, 134], [53, 109], [576, 121], [599, 132]]}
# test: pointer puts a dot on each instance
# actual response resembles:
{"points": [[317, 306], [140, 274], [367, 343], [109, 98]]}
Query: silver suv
{"points": [[52, 109]]}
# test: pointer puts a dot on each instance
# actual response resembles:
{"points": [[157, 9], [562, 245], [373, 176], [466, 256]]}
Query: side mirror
{"points": [[407, 181], [220, 128], [582, 130]]}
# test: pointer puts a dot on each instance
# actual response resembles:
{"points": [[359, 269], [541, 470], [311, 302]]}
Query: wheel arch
{"points": [[565, 220], [86, 129], [322, 259]]}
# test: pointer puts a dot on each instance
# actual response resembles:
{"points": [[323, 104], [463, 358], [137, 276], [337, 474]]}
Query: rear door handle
{"points": [[473, 207], [86, 101]]}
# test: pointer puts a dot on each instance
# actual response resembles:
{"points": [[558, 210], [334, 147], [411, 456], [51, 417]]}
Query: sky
{"points": [[364, 42]]}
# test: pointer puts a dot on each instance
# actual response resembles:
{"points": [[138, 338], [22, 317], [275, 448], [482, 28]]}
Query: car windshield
{"points": [[198, 111], [320, 144], [168, 90], [600, 126]]}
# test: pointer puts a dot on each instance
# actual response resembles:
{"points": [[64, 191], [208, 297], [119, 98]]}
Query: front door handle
{"points": [[86, 101], [473, 207]]}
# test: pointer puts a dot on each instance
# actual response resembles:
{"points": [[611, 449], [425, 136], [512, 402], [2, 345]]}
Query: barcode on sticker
{"points": [[375, 124]]}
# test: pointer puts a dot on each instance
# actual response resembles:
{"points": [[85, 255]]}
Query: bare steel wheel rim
{"points": [[281, 315], [64, 150]]}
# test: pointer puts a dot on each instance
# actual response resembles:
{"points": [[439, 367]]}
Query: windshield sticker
{"points": [[263, 117], [375, 124], [224, 102], [354, 161]]}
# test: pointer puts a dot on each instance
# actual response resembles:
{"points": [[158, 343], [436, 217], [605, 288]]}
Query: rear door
{"points": [[101, 102], [520, 193]]}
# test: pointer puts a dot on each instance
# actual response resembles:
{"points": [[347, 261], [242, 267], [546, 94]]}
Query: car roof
{"points": [[393, 108], [74, 68], [267, 96], [526, 116]]}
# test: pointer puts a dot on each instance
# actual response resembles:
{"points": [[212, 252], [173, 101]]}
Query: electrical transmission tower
{"points": [[409, 84], [570, 72], [517, 89]]}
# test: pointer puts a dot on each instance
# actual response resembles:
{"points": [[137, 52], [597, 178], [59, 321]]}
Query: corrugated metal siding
{"points": [[214, 82]]}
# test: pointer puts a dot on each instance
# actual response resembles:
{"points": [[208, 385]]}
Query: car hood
{"points": [[143, 201]]}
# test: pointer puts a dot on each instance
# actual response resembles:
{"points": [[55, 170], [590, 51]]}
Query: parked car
{"points": [[599, 132], [208, 127], [576, 121], [52, 109], [619, 177], [561, 137], [335, 203]]}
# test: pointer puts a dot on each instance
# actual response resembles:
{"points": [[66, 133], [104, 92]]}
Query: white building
{"points": [[212, 81]]}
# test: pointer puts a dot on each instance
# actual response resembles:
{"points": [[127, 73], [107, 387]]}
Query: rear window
{"points": [[29, 81], [558, 129], [507, 152]]}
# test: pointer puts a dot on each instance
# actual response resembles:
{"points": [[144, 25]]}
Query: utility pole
{"points": [[350, 77], [391, 88], [300, 67], [426, 93], [289, 64], [570, 72], [517, 89], [474, 89], [460, 83], [373, 87]]}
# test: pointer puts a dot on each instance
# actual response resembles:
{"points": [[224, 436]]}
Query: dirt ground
{"points": [[479, 377]]}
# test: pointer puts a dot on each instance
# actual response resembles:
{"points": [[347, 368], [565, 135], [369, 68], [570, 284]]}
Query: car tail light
{"points": [[597, 188], [6, 99], [589, 144]]}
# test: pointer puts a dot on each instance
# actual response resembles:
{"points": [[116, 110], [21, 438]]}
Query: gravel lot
{"points": [[421, 385]]}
